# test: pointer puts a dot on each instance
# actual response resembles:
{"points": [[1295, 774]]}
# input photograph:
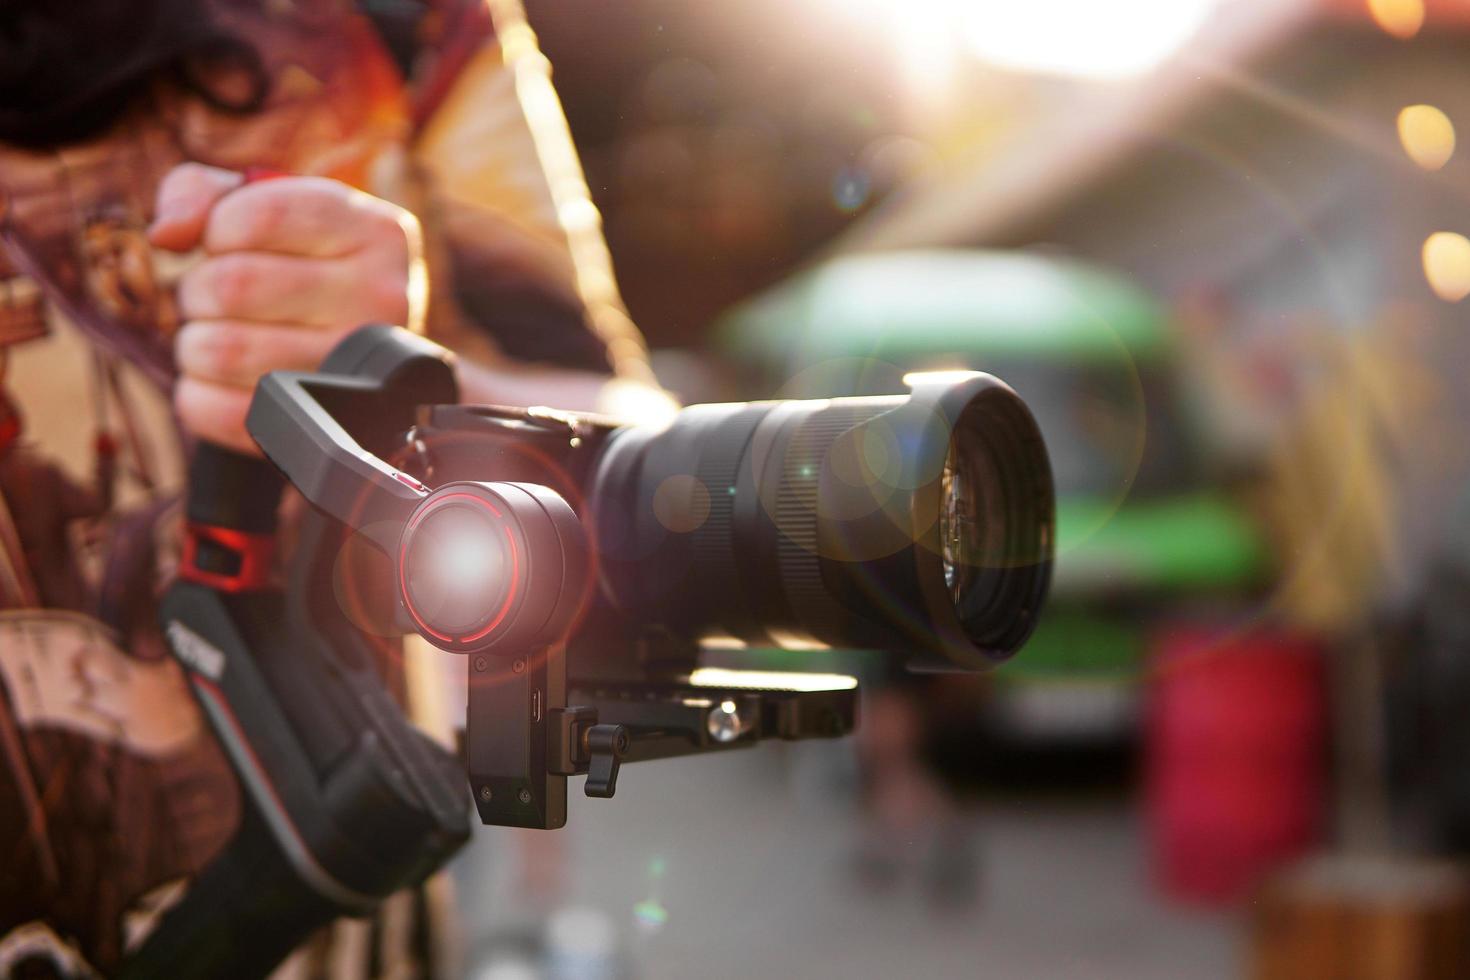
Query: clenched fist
{"points": [[290, 265]]}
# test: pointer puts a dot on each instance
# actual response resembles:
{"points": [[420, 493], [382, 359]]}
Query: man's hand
{"points": [[290, 265]]}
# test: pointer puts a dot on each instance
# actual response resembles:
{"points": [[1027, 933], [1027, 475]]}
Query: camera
{"points": [[917, 524], [583, 571], [560, 550]]}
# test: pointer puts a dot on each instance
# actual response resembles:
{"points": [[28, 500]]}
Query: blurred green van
{"points": [[1141, 532]]}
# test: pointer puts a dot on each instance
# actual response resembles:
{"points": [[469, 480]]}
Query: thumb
{"points": [[185, 197]]}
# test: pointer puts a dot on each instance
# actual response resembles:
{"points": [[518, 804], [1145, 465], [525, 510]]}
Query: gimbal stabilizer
{"points": [[347, 801]]}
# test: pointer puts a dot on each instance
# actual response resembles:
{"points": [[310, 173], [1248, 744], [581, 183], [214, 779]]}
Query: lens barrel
{"points": [[920, 524]]}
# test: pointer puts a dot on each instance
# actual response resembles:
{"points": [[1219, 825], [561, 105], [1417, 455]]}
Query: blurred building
{"points": [[724, 143], [1264, 183]]}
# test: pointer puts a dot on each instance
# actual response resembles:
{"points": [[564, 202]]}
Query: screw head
{"points": [[485, 793], [518, 666], [726, 722], [481, 663], [525, 796]]}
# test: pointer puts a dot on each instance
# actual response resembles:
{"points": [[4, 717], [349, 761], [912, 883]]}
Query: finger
{"points": [[216, 413], [236, 352], [292, 289], [185, 197], [304, 216]]}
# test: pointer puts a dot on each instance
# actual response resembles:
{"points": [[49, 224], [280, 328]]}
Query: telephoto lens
{"points": [[919, 524]]}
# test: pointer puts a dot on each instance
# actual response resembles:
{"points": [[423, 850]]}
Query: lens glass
{"points": [[956, 526], [456, 569], [973, 526]]}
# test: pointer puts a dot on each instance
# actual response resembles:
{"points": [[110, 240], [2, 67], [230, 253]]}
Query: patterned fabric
{"points": [[75, 216], [111, 787]]}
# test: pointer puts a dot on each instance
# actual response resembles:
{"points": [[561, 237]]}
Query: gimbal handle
{"points": [[229, 537], [377, 376], [345, 801]]}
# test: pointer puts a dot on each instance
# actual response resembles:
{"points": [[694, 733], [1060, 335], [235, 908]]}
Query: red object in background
{"points": [[1236, 733]]}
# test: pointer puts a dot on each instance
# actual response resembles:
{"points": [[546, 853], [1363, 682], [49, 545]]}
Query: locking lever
{"points": [[606, 746]]}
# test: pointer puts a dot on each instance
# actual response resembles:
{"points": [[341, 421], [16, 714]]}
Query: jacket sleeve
{"points": [[515, 243]]}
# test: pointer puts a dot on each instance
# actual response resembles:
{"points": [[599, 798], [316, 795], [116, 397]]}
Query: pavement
{"points": [[742, 866]]}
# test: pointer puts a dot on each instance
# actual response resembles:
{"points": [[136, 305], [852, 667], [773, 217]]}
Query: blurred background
{"points": [[1220, 248]]}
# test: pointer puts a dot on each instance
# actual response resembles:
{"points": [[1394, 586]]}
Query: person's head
{"points": [[67, 69]]}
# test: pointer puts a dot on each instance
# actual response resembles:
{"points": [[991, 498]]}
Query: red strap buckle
{"points": [[252, 551]]}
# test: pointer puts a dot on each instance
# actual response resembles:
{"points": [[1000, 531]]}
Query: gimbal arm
{"points": [[377, 376]]}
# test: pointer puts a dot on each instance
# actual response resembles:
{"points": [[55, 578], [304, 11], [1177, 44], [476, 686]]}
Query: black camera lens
{"points": [[921, 524]]}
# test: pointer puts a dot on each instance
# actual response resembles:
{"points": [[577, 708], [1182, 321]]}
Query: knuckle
{"points": [[229, 353], [186, 404], [407, 234], [192, 292], [209, 412], [191, 179], [268, 216], [389, 295], [322, 192], [402, 219], [328, 187], [388, 225], [232, 281], [187, 349], [184, 177], [215, 351]]}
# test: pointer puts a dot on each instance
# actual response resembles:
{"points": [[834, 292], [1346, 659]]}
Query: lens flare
{"points": [[1081, 38], [1401, 18], [1427, 135], [634, 403], [455, 567], [770, 680], [681, 503], [1447, 265], [467, 561], [850, 189], [650, 915], [945, 376]]}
